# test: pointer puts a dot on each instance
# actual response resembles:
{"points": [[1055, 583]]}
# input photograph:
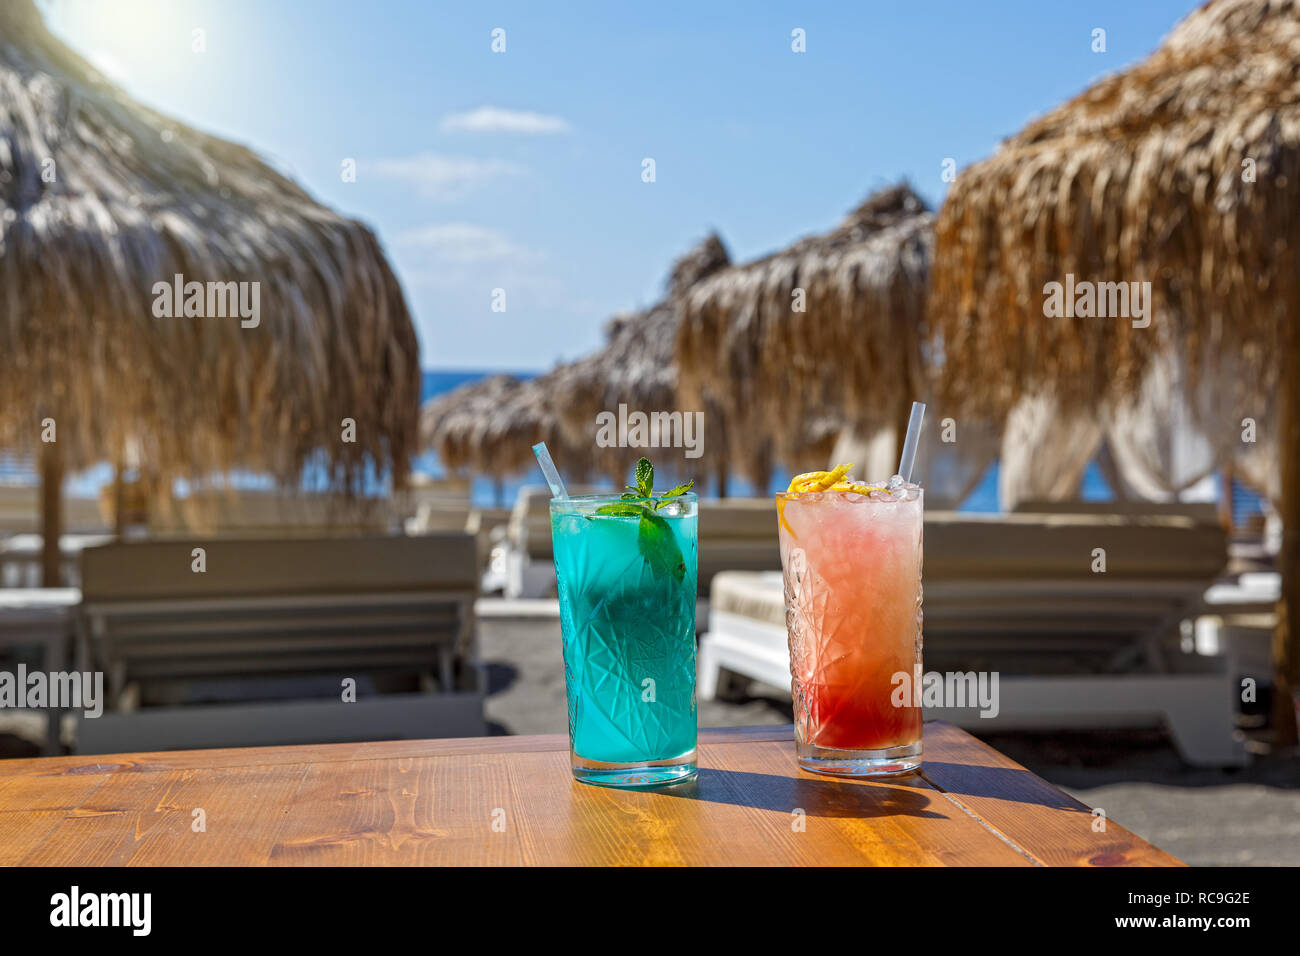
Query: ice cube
{"points": [[670, 509]]}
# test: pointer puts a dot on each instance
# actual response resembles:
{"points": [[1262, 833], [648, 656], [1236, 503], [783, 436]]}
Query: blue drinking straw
{"points": [[550, 471]]}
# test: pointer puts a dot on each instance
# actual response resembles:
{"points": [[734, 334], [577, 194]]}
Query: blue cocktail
{"points": [[626, 575]]}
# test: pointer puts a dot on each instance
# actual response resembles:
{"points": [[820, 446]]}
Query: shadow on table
{"points": [[817, 798], [1003, 783]]}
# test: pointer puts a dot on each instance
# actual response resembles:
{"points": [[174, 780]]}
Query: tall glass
{"points": [[627, 584], [852, 571]]}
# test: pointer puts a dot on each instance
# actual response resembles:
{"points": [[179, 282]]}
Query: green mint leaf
{"points": [[679, 490], [645, 478], [630, 495], [621, 511], [657, 545], [654, 538]]}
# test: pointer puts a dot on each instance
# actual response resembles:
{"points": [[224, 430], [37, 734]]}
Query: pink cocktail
{"points": [[852, 568]]}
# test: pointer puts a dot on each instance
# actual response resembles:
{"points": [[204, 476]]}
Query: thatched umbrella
{"points": [[490, 426], [636, 364], [1183, 171], [833, 323], [100, 200], [451, 424], [637, 367]]}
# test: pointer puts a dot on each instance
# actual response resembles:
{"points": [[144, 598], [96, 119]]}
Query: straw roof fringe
{"points": [[101, 198], [637, 368], [1143, 177], [1216, 22], [525, 418], [857, 346], [489, 426], [700, 262], [451, 424]]}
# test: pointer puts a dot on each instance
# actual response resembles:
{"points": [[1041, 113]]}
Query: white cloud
{"points": [[494, 119], [464, 242], [446, 177]]}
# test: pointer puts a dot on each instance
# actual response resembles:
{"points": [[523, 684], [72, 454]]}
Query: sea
{"points": [[488, 493]]}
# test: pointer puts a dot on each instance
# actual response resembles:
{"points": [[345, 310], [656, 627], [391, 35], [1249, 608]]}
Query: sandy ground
{"points": [[1248, 816]]}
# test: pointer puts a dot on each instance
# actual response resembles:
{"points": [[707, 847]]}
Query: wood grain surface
{"points": [[511, 801]]}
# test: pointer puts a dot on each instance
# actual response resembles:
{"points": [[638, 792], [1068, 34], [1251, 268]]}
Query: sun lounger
{"points": [[1203, 512], [257, 513], [435, 516], [384, 611], [20, 558], [1238, 620], [1017, 595], [530, 568], [488, 525], [20, 512], [40, 618], [737, 534], [434, 504]]}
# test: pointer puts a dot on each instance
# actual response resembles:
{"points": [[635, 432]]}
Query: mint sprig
{"points": [[676, 492], [621, 511], [654, 537], [645, 478], [655, 541], [644, 490]]}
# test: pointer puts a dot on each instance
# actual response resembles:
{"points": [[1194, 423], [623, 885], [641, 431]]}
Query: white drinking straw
{"points": [[913, 437], [550, 471]]}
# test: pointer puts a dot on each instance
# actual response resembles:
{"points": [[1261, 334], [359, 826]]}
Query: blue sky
{"points": [[522, 170]]}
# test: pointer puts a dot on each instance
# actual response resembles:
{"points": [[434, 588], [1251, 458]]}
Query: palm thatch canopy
{"points": [[1183, 171], [833, 323], [637, 368], [637, 364], [452, 423], [100, 199], [490, 426]]}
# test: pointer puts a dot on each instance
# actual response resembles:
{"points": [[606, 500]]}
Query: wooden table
{"points": [[511, 800]]}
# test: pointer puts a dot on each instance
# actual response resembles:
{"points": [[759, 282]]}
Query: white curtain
{"points": [[1172, 435], [1044, 452], [952, 457], [1157, 439]]}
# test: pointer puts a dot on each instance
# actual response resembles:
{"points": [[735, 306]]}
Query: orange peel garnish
{"points": [[811, 482], [818, 480], [857, 487]]}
